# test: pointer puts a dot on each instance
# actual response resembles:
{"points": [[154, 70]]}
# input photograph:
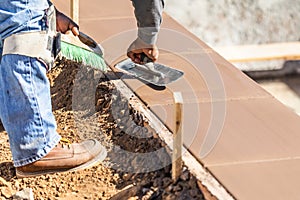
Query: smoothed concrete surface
{"points": [[242, 134]]}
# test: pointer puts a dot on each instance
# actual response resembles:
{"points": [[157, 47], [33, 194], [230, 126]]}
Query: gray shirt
{"points": [[149, 17]]}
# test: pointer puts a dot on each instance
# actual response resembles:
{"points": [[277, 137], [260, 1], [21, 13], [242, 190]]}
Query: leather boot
{"points": [[65, 158]]}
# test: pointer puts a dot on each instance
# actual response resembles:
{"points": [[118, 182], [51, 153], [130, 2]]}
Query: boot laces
{"points": [[64, 142]]}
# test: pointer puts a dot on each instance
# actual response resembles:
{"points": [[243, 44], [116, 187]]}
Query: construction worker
{"points": [[26, 110]]}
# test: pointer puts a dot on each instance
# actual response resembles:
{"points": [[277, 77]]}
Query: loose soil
{"points": [[87, 105]]}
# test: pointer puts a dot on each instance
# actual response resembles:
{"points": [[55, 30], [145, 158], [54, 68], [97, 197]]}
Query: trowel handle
{"points": [[145, 58], [87, 40]]}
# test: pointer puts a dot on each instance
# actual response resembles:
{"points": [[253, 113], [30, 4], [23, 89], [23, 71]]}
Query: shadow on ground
{"points": [[1, 127]]}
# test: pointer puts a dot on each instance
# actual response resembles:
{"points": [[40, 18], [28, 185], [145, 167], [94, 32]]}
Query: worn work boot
{"points": [[65, 158]]}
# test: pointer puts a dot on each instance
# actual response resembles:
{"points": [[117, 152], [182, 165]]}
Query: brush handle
{"points": [[82, 41], [87, 40]]}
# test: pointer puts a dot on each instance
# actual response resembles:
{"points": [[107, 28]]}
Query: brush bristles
{"points": [[81, 55]]}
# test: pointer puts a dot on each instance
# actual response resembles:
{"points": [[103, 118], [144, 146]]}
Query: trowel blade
{"points": [[157, 74]]}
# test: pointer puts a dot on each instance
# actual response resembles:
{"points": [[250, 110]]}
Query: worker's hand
{"points": [[138, 47], [64, 24]]}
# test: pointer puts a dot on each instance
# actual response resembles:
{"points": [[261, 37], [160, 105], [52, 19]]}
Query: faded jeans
{"points": [[26, 110]]}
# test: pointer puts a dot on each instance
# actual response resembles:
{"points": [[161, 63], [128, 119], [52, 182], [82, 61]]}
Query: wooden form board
{"points": [[194, 166], [261, 52]]}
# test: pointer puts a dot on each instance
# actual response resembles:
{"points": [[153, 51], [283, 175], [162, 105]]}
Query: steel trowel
{"points": [[149, 71], [154, 73]]}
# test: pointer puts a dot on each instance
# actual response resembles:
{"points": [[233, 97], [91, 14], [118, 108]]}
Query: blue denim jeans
{"points": [[20, 15], [26, 110]]}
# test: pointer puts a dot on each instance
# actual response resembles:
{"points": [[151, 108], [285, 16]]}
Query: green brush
{"points": [[82, 49]]}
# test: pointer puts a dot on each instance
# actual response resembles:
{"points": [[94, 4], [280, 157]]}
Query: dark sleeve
{"points": [[148, 14]]}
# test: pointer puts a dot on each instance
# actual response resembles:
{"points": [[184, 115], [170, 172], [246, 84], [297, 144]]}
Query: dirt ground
{"points": [[107, 116]]}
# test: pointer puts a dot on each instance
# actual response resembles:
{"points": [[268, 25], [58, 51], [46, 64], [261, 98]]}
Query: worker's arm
{"points": [[148, 14], [64, 23]]}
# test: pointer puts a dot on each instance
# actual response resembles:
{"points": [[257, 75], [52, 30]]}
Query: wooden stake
{"points": [[177, 137], [75, 11], [193, 165]]}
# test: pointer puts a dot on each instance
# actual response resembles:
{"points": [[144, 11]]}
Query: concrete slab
{"points": [[206, 79], [286, 90], [112, 9], [250, 131], [91, 9], [104, 29], [255, 130], [276, 180], [245, 137]]}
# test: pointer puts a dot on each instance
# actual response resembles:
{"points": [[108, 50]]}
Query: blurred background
{"points": [[228, 23]]}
